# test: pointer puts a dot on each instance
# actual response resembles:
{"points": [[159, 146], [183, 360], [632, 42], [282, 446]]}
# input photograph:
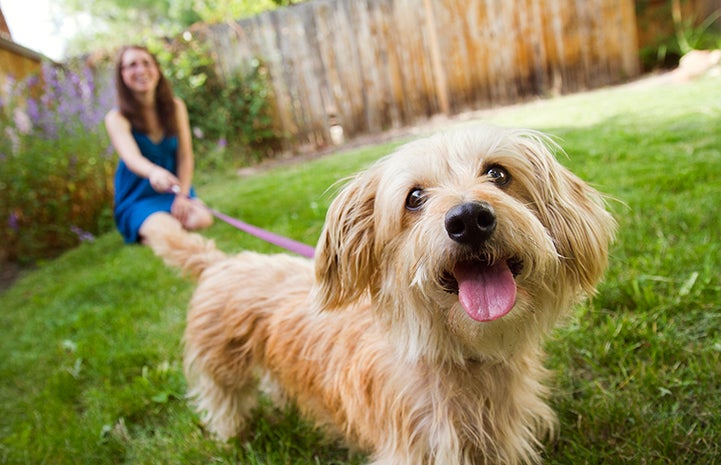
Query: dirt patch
{"points": [[9, 273]]}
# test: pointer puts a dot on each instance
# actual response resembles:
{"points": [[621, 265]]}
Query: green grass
{"points": [[91, 355]]}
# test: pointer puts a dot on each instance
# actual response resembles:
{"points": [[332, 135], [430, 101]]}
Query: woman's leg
{"points": [[198, 218], [158, 224], [164, 223]]}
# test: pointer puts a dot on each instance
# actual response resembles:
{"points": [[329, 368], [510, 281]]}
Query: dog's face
{"points": [[470, 244]]}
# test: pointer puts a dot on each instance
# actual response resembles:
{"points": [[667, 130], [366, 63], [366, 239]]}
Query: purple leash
{"points": [[288, 244]]}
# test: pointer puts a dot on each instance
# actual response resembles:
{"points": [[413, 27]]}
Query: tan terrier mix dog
{"points": [[416, 333]]}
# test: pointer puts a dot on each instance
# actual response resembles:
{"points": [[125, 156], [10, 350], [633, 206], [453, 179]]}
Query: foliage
{"points": [[55, 166], [215, 11], [111, 23], [92, 369], [107, 24], [691, 36], [287, 2], [231, 116], [689, 33]]}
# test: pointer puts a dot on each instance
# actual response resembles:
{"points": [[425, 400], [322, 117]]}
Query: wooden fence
{"points": [[371, 65]]}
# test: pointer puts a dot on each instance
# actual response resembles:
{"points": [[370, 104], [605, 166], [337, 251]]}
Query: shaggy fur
{"points": [[372, 340]]}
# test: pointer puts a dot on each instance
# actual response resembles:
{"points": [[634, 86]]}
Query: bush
{"points": [[231, 116], [689, 34], [55, 164]]}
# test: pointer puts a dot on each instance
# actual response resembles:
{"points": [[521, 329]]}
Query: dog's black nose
{"points": [[471, 223]]}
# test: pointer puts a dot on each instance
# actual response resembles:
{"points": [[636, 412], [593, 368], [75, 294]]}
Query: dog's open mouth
{"points": [[486, 289]]}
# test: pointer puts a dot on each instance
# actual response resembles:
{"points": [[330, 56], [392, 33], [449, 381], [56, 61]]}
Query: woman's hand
{"points": [[162, 180], [182, 208]]}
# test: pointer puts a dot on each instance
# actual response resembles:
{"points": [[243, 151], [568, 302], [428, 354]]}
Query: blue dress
{"points": [[135, 199]]}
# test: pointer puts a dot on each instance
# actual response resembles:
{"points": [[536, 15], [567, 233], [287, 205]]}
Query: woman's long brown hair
{"points": [[130, 107]]}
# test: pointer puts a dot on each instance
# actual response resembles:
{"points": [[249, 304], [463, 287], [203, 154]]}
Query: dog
{"points": [[416, 332]]}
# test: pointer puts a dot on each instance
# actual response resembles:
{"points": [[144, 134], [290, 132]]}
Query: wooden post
{"points": [[439, 74]]}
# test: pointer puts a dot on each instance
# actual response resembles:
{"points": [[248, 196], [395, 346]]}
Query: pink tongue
{"points": [[485, 292]]}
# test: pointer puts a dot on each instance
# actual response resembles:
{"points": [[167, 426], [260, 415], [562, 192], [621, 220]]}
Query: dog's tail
{"points": [[190, 252]]}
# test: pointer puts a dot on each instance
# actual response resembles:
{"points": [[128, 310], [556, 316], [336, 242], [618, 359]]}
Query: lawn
{"points": [[91, 366]]}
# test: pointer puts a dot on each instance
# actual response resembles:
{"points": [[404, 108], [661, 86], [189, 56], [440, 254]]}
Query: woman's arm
{"points": [[186, 163], [119, 131], [182, 206]]}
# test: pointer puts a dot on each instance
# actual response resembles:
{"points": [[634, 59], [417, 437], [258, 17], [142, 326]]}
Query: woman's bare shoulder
{"points": [[115, 118], [179, 103]]}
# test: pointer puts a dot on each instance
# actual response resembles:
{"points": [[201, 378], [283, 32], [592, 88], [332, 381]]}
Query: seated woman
{"points": [[150, 130]]}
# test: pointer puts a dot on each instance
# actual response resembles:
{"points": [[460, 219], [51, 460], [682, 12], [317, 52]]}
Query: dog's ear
{"points": [[345, 258], [575, 215]]}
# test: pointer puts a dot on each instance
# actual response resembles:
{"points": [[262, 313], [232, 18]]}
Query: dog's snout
{"points": [[471, 223]]}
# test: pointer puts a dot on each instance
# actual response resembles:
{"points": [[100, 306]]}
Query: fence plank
{"points": [[370, 65]]}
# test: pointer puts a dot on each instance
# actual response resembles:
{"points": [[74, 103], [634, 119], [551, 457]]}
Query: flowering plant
{"points": [[55, 162]]}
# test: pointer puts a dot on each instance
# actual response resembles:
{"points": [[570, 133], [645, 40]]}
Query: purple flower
{"points": [[222, 143], [109, 151], [84, 236], [13, 222], [22, 121], [33, 111], [10, 81], [32, 81]]}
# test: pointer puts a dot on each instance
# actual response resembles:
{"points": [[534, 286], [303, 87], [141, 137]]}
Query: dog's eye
{"points": [[415, 199], [498, 175]]}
